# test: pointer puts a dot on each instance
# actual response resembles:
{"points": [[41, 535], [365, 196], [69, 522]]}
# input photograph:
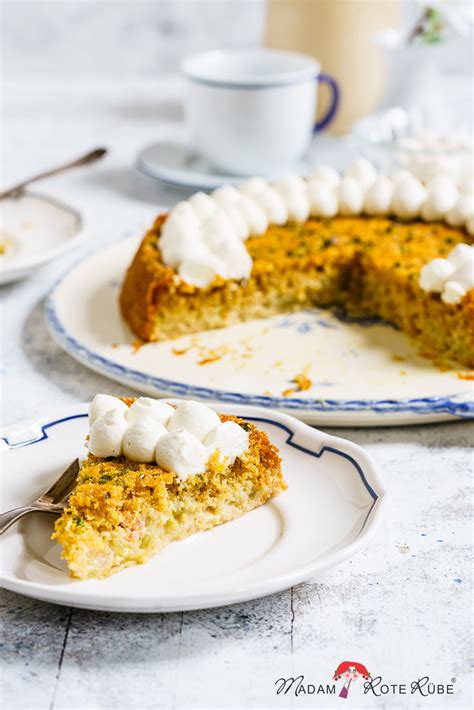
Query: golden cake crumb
{"points": [[465, 375]]}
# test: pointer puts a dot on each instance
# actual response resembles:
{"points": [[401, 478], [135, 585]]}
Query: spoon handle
{"points": [[87, 159]]}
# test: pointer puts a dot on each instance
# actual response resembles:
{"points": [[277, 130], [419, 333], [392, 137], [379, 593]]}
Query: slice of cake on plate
{"points": [[157, 473], [371, 245]]}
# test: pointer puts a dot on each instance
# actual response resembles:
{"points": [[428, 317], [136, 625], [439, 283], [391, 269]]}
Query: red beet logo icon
{"points": [[350, 671]]}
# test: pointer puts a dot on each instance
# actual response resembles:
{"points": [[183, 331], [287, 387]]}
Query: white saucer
{"points": [[328, 513], [174, 162], [35, 230]]}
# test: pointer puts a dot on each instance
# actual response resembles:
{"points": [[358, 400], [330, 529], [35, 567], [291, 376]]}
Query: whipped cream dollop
{"points": [[322, 197], [408, 198], [294, 193], [106, 433], [461, 211], [379, 196], [141, 439], [328, 175], [229, 438], [452, 277], [146, 407], [442, 195], [195, 417], [203, 238], [363, 171], [273, 205], [103, 403], [350, 196], [181, 452], [179, 439]]}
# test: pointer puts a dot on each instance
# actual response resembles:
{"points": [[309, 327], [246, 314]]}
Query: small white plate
{"points": [[35, 229], [361, 374], [328, 513], [176, 163]]}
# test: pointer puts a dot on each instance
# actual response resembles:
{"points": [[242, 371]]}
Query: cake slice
{"points": [[156, 474]]}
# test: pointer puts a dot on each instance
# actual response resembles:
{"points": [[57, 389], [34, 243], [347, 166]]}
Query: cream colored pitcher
{"points": [[340, 34]]}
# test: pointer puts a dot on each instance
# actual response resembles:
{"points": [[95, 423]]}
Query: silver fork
{"points": [[53, 501]]}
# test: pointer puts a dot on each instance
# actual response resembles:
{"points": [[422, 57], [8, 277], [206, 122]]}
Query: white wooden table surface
{"points": [[402, 607]]}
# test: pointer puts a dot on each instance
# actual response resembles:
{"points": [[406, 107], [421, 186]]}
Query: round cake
{"points": [[362, 243]]}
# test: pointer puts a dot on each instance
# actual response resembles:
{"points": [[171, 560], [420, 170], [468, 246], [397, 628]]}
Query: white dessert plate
{"points": [[334, 499], [35, 229], [175, 162], [362, 374]]}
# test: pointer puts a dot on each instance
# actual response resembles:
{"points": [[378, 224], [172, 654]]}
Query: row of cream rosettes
{"points": [[180, 439], [203, 236]]}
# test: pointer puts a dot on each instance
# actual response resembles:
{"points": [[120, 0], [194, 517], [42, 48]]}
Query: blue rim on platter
{"points": [[456, 405]]}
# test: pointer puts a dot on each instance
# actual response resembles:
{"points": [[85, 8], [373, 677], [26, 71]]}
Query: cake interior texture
{"points": [[122, 513], [364, 266]]}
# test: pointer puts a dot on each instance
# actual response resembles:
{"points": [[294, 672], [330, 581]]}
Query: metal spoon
{"points": [[87, 159]]}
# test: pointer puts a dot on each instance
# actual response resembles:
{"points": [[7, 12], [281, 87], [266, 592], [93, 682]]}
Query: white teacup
{"points": [[252, 111]]}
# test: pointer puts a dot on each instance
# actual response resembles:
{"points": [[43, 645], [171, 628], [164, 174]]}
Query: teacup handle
{"points": [[331, 112]]}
